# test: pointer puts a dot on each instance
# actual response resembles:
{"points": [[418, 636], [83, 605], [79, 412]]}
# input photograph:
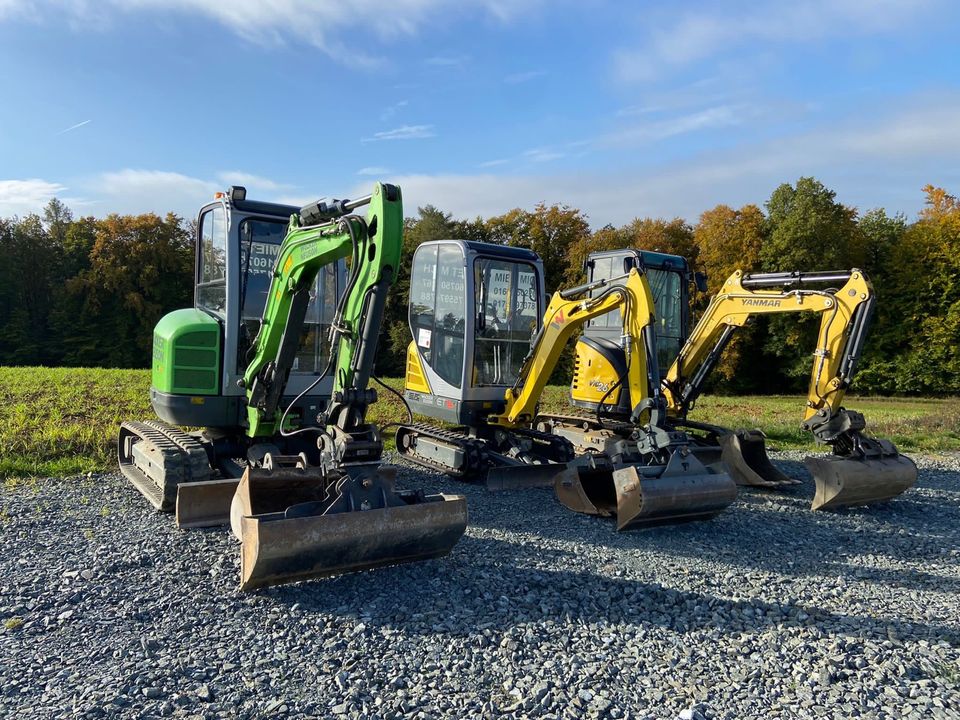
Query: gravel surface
{"points": [[769, 610]]}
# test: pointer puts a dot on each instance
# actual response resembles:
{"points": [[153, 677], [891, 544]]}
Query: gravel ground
{"points": [[768, 610]]}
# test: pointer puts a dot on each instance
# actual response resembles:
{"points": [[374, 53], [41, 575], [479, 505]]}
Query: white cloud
{"points": [[868, 162], [250, 181], [138, 191], [391, 110], [374, 171], [714, 117], [406, 132], [698, 34], [74, 127], [321, 23], [493, 163], [523, 77], [20, 197], [539, 155]]}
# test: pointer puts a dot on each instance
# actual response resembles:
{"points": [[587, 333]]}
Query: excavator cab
{"points": [[599, 355], [473, 310]]}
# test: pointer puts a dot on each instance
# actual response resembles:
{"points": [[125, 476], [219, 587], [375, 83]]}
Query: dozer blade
{"points": [[296, 524], [641, 495], [517, 477], [205, 504], [843, 481], [745, 455]]}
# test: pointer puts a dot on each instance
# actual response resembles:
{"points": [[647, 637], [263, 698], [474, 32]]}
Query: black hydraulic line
{"points": [[790, 279], [859, 328], [694, 387]]}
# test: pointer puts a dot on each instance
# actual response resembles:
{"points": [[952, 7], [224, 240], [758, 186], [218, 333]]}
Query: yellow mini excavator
{"points": [[481, 356], [861, 469]]}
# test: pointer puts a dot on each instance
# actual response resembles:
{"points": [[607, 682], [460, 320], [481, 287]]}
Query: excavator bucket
{"points": [[843, 481], [294, 524], [517, 477], [744, 453], [639, 495], [205, 504]]}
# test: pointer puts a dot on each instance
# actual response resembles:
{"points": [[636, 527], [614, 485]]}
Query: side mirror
{"points": [[700, 280]]}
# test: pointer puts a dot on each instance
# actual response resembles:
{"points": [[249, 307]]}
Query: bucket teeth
{"points": [[297, 524], [639, 495], [745, 456], [845, 481]]}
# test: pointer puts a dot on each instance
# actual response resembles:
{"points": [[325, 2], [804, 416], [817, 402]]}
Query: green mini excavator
{"points": [[274, 361]]}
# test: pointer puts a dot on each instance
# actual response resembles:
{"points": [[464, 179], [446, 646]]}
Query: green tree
{"points": [[553, 232], [430, 224], [922, 353], [807, 229], [141, 267], [729, 240]]}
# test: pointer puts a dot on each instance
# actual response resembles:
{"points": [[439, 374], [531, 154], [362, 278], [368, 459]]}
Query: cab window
{"points": [[437, 309], [508, 313], [212, 265], [260, 241]]}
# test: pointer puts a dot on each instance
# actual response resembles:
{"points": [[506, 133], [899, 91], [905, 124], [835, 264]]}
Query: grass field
{"points": [[63, 421]]}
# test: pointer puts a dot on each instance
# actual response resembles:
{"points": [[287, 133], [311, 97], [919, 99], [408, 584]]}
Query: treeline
{"points": [[88, 292]]}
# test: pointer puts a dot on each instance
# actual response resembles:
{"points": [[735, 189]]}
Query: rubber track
{"points": [[476, 465], [184, 460], [479, 459]]}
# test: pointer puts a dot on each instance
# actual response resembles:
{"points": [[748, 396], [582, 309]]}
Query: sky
{"points": [[621, 109]]}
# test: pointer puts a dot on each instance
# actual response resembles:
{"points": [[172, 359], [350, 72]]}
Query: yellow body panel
{"points": [[593, 375], [416, 378]]}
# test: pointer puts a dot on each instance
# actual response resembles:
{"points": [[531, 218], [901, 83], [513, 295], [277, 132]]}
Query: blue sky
{"points": [[622, 109]]}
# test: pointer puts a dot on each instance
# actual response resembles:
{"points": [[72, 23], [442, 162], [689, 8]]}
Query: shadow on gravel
{"points": [[774, 532], [498, 584]]}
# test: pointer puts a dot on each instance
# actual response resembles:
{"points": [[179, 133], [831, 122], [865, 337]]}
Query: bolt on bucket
{"points": [[295, 524], [843, 481], [639, 495], [744, 453]]}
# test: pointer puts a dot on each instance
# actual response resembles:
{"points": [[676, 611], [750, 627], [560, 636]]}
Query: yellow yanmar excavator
{"points": [[481, 355], [861, 469]]}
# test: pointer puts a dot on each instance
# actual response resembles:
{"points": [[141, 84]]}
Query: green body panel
{"points": [[302, 255], [186, 353]]}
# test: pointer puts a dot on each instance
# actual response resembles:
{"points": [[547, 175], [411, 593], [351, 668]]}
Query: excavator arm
{"points": [[564, 316], [296, 520], [845, 315], [844, 320], [330, 234]]}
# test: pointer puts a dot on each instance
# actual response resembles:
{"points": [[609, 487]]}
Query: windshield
{"points": [[666, 286], [508, 313], [259, 246]]}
